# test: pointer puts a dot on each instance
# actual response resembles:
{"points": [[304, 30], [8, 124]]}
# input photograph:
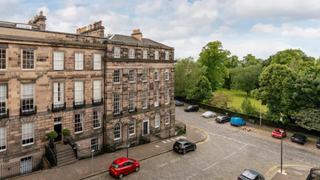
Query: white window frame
{"points": [[116, 52], [132, 124], [57, 93], [5, 59], [167, 55], [157, 120], [78, 93], [119, 103], [167, 118], [27, 134], [58, 60], [132, 98], [81, 122], [156, 98], [96, 61], [27, 96], [97, 90], [97, 144], [167, 74], [78, 61], [167, 97], [116, 77], [3, 138], [156, 55], [3, 99], [114, 131], [145, 54], [98, 119], [132, 74], [34, 57], [145, 100], [145, 75], [131, 53], [156, 75]]}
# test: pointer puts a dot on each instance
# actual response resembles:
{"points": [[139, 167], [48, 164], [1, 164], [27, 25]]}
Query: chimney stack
{"points": [[39, 20], [137, 34], [95, 29]]}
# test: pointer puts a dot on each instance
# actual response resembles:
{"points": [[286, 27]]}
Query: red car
{"points": [[123, 166], [277, 133]]}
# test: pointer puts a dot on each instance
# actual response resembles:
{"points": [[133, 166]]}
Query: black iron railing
{"points": [[28, 112], [80, 104], [58, 107], [97, 102]]}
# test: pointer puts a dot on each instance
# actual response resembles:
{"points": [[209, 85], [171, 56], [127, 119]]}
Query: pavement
{"points": [[82, 169], [289, 172]]}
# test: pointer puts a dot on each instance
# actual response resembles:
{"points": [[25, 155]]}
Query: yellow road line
{"points": [[287, 165], [208, 136]]}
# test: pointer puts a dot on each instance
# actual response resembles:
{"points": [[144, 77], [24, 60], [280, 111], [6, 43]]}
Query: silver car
{"points": [[209, 114]]}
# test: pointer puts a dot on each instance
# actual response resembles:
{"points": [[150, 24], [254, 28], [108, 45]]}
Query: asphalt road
{"points": [[224, 156]]}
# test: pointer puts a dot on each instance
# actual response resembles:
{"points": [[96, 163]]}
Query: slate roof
{"points": [[131, 40]]}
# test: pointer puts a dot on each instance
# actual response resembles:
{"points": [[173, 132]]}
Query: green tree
{"points": [[186, 75], [250, 60], [248, 108], [202, 91], [267, 62], [308, 118], [221, 99], [285, 56], [246, 78], [214, 58], [232, 62], [277, 89]]}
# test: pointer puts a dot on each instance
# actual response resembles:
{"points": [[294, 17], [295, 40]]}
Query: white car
{"points": [[208, 114]]}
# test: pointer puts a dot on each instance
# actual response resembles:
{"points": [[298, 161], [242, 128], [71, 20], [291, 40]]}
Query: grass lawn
{"points": [[239, 96]]}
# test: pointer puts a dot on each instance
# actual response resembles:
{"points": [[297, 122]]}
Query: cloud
{"points": [[293, 31], [265, 28]]}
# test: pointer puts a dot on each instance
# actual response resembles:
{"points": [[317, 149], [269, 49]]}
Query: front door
{"points": [[57, 128], [145, 127]]}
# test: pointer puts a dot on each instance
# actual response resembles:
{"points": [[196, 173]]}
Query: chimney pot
{"points": [[137, 34]]}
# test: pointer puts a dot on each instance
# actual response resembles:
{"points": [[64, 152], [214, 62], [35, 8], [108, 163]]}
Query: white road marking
{"points": [[191, 176], [230, 155], [172, 139], [164, 142], [168, 140], [243, 146], [210, 166], [157, 146], [298, 173]]}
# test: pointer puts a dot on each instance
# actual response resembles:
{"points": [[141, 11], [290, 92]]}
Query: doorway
{"points": [[145, 127], [58, 129]]}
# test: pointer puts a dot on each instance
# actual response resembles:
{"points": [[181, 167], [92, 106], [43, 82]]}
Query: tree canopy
{"points": [[285, 56], [214, 58], [202, 90]]}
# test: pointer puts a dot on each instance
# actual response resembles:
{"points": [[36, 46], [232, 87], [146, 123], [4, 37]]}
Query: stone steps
{"points": [[66, 156]]}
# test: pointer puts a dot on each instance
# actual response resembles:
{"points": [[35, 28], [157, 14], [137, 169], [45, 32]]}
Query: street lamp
{"points": [[260, 110], [281, 145], [92, 151], [128, 137]]}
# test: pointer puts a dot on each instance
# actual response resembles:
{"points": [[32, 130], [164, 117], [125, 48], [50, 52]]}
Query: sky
{"points": [[260, 28]]}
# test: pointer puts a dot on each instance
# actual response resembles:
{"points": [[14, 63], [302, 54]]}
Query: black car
{"points": [[178, 103], [314, 174], [318, 143], [299, 138], [183, 146], [223, 119], [192, 108], [249, 174]]}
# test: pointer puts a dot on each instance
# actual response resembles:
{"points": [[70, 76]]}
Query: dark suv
{"points": [[223, 119], [192, 108], [249, 174], [183, 146], [314, 174], [299, 138]]}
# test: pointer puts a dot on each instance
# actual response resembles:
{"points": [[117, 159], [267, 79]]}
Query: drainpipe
{"points": [[104, 105]]}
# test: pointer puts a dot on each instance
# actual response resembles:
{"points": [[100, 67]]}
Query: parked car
{"points": [[236, 121], [318, 143], [123, 166], [314, 174], [299, 138], [183, 146], [192, 108], [178, 103], [249, 174], [209, 114], [277, 133], [222, 119]]}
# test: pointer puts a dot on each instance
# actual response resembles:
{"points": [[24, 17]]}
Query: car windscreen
{"points": [[177, 144], [277, 131], [318, 141], [189, 107], [115, 165]]}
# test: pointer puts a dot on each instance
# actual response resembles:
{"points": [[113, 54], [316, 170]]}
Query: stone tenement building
{"points": [[99, 87]]}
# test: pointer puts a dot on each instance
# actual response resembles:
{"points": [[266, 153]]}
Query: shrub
{"points": [[66, 132], [52, 135], [181, 131], [248, 108]]}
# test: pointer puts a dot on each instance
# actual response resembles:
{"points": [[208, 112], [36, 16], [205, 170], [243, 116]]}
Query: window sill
{"points": [[3, 69], [156, 126], [156, 80], [78, 132], [145, 108], [97, 128], [116, 83], [156, 105], [116, 57], [23, 145], [78, 69], [117, 139], [28, 69], [144, 81], [58, 69], [131, 82], [131, 134], [3, 150], [167, 124], [97, 69], [166, 104]]}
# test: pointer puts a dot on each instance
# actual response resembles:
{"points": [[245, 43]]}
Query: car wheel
{"points": [[238, 125], [194, 148], [137, 168], [184, 151], [120, 176], [180, 151]]}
